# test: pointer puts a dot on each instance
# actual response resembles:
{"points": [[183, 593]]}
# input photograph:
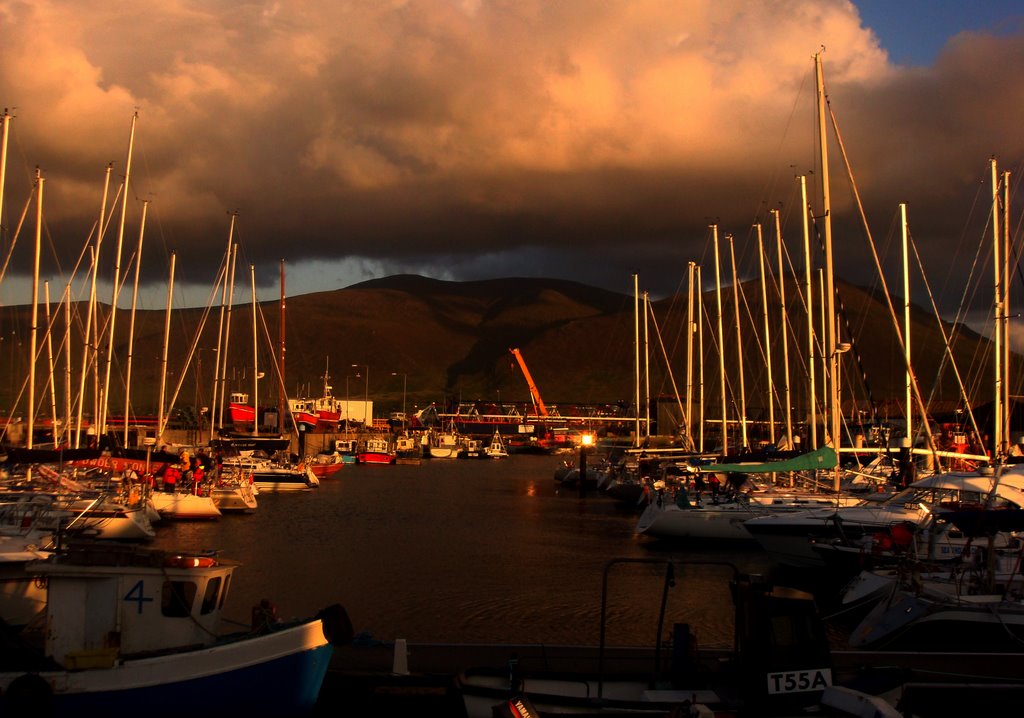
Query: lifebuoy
{"points": [[190, 562]]}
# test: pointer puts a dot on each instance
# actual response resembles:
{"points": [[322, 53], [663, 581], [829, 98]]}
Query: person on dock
{"points": [[716, 486]]}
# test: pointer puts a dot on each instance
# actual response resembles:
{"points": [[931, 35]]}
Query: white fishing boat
{"points": [[444, 444], [152, 638], [496, 449]]}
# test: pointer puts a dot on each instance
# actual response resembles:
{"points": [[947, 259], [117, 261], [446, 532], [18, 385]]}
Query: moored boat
{"points": [[324, 465], [234, 494], [159, 643], [496, 449], [376, 450], [272, 474], [791, 537]]}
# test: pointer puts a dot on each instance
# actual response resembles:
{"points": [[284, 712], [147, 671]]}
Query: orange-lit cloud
{"points": [[477, 138]]}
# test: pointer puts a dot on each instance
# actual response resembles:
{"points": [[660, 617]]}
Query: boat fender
{"points": [[337, 626], [516, 707], [28, 694]]}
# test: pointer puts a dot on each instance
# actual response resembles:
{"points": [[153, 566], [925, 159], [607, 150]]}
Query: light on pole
{"points": [[366, 392], [586, 441], [347, 377], [405, 379]]}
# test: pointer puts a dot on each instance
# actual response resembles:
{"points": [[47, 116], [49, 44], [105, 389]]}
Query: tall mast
{"points": [[826, 409], [647, 369], [808, 292], [906, 321], [227, 335], [830, 346], [6, 126], [67, 362], [89, 347], [161, 423], [1007, 283], [218, 377], [689, 351], [721, 342], [35, 310], [739, 346], [117, 280], [255, 363], [636, 352], [131, 325], [700, 353], [767, 336], [997, 303], [784, 324], [280, 392], [54, 419]]}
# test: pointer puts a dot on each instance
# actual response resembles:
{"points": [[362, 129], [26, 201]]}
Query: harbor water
{"points": [[466, 551]]}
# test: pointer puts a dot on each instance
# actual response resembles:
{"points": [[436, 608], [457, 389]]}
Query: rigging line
{"points": [[17, 233], [675, 389], [669, 314], [277, 368], [845, 318], [713, 344], [948, 353], [970, 291], [798, 291], [888, 297], [188, 359], [794, 108]]}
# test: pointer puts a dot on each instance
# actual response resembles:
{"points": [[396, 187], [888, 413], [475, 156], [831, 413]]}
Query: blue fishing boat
{"points": [[128, 628]]}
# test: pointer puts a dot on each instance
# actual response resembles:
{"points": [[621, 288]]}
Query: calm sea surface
{"points": [[463, 551]]}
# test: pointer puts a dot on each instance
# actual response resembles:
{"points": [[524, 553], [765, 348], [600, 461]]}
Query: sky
{"points": [[475, 139]]}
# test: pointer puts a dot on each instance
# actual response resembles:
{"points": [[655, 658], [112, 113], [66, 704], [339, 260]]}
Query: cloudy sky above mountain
{"points": [[470, 139]]}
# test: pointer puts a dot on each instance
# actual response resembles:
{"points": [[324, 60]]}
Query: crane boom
{"points": [[534, 392]]}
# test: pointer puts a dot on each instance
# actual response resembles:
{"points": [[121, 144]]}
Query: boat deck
{"points": [[362, 680]]}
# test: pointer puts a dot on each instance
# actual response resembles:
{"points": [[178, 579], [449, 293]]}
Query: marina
{"points": [[674, 553], [493, 559]]}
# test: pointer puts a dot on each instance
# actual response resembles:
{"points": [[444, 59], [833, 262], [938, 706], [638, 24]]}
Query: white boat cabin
{"points": [[110, 602]]}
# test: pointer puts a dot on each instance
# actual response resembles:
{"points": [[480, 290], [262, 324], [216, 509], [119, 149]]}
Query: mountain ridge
{"points": [[417, 340]]}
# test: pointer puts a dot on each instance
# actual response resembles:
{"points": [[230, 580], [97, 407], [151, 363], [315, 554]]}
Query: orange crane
{"points": [[534, 392]]}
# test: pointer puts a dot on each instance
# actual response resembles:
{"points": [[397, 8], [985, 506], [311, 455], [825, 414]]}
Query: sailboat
{"points": [[245, 413], [986, 615]]}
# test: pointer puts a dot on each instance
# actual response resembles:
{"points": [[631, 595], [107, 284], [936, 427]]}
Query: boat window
{"points": [[210, 597], [177, 598], [224, 593]]}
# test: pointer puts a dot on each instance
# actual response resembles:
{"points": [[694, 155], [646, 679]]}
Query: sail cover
{"points": [[823, 458]]}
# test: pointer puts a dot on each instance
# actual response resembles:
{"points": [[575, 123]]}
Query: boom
{"points": [[534, 392]]}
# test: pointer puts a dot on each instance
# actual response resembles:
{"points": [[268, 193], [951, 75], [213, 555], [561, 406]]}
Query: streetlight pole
{"points": [[347, 377], [366, 391], [405, 379]]}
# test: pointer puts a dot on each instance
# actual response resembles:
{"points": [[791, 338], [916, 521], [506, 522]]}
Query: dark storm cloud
{"points": [[466, 139]]}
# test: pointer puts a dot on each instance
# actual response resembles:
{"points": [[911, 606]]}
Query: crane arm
{"points": [[534, 392]]}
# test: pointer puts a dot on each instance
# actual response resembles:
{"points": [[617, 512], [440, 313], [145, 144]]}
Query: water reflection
{"points": [[462, 551]]}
